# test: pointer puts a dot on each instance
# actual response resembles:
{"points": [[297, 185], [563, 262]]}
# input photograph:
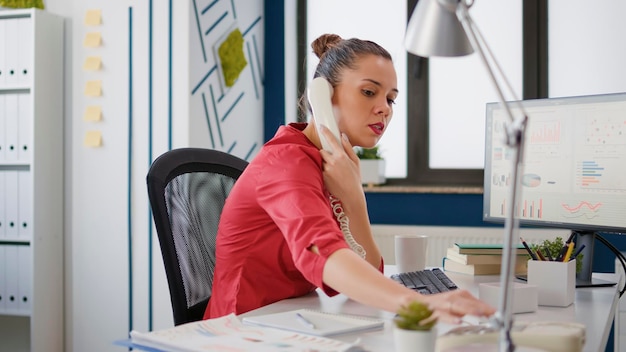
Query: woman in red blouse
{"points": [[278, 235]]}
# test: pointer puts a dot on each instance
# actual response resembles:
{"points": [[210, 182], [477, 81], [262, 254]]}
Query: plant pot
{"points": [[414, 340], [372, 171]]}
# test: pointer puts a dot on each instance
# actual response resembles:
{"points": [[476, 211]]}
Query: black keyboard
{"points": [[426, 281]]}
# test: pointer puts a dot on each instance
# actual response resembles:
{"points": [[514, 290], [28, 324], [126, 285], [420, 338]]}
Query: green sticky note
{"points": [[231, 57]]}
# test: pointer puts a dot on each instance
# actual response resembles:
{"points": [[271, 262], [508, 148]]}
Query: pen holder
{"points": [[555, 281]]}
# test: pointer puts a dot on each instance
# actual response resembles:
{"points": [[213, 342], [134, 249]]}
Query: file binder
{"points": [[3, 205], [12, 278], [11, 207], [24, 53], [24, 288], [11, 124], [3, 49], [3, 112], [24, 125], [11, 38], [3, 279], [24, 205]]}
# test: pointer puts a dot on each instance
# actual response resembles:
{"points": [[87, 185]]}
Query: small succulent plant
{"points": [[369, 153], [409, 317]]}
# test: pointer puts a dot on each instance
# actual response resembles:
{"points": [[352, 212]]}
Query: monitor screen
{"points": [[574, 166]]}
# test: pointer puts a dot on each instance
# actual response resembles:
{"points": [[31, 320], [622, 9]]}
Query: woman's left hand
{"points": [[451, 306]]}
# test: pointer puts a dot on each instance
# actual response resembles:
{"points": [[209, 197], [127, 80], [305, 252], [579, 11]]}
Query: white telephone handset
{"points": [[320, 93]]}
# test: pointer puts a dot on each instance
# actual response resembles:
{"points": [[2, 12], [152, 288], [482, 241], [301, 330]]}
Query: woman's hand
{"points": [[342, 175], [451, 306]]}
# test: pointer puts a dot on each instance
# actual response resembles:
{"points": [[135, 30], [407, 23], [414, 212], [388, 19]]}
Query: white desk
{"points": [[594, 307]]}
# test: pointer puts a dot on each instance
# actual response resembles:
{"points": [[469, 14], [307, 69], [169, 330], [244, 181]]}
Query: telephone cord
{"points": [[344, 224]]}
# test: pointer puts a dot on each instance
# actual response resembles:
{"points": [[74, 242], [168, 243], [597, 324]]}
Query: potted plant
{"points": [[409, 332], [372, 166], [553, 248]]}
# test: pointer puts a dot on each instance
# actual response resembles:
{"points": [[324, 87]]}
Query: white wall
{"points": [[105, 186]]}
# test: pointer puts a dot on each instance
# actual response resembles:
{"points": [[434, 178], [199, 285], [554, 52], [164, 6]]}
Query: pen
{"points": [[540, 256], [304, 321], [568, 254], [580, 249], [559, 257], [532, 255]]}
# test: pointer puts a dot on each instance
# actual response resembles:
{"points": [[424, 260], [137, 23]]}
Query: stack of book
{"points": [[481, 259]]}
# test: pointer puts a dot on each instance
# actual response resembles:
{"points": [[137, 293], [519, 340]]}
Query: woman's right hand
{"points": [[451, 306]]}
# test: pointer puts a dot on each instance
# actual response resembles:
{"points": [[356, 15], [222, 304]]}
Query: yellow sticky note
{"points": [[93, 113], [93, 88], [93, 18], [92, 40], [93, 139], [92, 63]]}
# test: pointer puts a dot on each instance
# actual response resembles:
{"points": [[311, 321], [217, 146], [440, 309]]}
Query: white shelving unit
{"points": [[31, 181]]}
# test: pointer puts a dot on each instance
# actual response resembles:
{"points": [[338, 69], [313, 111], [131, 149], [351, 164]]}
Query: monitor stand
{"points": [[583, 278]]}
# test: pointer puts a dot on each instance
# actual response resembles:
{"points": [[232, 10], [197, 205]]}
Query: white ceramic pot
{"points": [[414, 340], [372, 171]]}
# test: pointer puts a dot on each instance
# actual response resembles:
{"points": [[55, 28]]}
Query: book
{"points": [[228, 333], [452, 254], [485, 248], [323, 324], [479, 269]]}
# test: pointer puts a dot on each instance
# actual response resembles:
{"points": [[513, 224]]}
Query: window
{"points": [[424, 149]]}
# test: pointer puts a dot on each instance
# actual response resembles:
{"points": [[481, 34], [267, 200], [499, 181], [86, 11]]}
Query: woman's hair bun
{"points": [[324, 42]]}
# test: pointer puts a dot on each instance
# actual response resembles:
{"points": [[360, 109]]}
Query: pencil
{"points": [[541, 257], [530, 252], [568, 254]]}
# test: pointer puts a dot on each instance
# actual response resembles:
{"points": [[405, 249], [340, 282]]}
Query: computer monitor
{"points": [[574, 169]]}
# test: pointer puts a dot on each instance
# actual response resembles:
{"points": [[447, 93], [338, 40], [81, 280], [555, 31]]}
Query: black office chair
{"points": [[187, 189]]}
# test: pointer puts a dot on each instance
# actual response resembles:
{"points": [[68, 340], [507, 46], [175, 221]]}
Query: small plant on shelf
{"points": [[369, 153], [372, 165]]}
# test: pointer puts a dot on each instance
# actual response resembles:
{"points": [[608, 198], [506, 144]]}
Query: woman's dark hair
{"points": [[336, 54]]}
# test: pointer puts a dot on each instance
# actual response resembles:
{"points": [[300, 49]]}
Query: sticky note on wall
{"points": [[93, 18], [92, 40], [231, 56], [92, 63], [93, 113], [93, 88], [93, 139]]}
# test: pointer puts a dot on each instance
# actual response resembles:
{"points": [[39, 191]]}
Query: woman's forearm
{"points": [[347, 273]]}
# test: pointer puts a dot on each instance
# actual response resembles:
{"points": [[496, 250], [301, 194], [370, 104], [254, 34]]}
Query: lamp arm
{"points": [[503, 319]]}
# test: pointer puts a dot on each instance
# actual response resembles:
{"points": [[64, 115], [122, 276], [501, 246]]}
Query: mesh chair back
{"points": [[187, 189]]}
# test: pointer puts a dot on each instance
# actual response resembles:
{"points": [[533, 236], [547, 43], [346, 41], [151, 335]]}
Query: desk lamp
{"points": [[445, 28]]}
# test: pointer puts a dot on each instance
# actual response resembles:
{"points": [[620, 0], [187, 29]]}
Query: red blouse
{"points": [[277, 209]]}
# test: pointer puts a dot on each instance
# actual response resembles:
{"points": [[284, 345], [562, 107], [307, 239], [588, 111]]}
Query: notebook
{"points": [[321, 323]]}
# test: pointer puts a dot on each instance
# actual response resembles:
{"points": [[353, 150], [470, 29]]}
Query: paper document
{"points": [[315, 322], [229, 334]]}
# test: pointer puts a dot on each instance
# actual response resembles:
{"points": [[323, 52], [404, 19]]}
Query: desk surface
{"points": [[593, 307]]}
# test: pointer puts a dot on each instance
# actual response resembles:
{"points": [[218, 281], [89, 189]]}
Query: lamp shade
{"points": [[434, 30]]}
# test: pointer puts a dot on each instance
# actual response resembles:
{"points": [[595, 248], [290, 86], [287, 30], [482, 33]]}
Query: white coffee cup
{"points": [[410, 252]]}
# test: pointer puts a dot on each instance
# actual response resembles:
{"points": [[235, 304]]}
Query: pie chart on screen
{"points": [[531, 180]]}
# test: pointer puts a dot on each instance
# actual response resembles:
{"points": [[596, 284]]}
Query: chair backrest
{"points": [[187, 188]]}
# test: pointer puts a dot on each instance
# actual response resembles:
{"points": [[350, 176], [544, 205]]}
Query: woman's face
{"points": [[363, 100]]}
